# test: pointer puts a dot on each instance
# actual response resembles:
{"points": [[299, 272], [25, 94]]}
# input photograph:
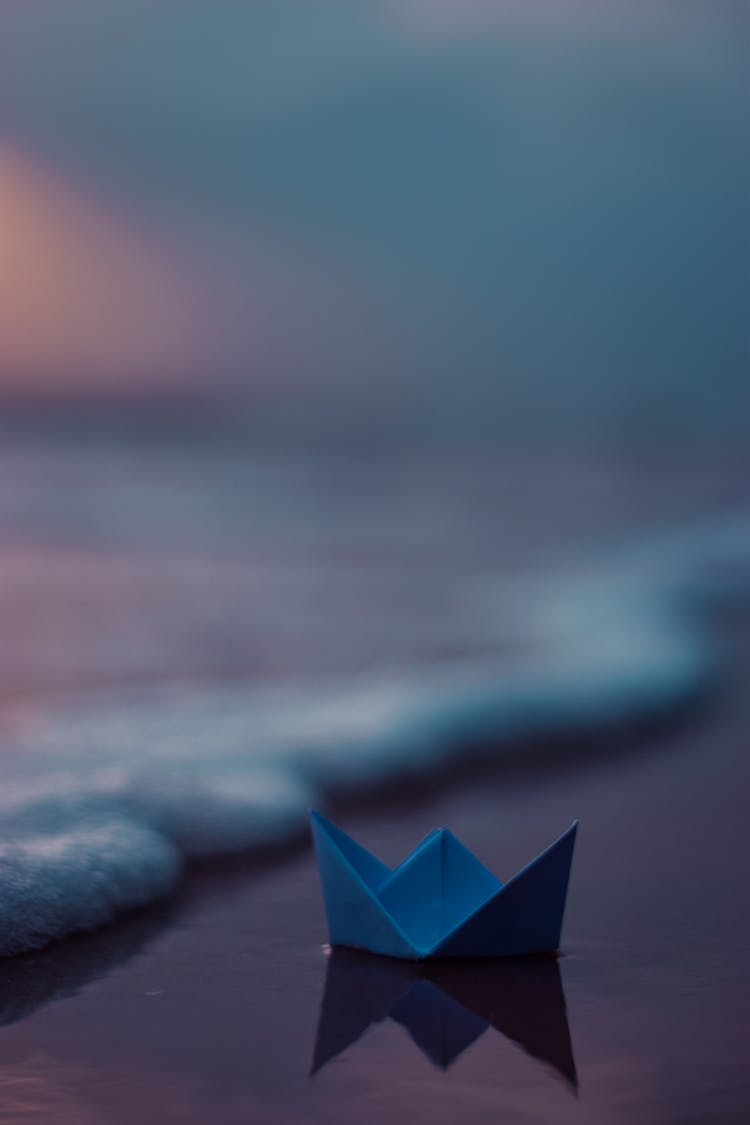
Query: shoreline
{"points": [[210, 1008], [112, 802]]}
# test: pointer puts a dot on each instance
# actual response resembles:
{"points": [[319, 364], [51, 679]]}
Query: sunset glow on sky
{"points": [[420, 204], [84, 295]]}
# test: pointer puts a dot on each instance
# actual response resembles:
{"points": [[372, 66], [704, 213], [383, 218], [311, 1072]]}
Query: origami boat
{"points": [[440, 901]]}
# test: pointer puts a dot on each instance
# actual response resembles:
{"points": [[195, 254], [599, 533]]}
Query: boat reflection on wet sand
{"points": [[445, 1006]]}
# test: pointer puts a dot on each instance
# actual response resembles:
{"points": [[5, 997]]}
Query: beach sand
{"points": [[209, 1009]]}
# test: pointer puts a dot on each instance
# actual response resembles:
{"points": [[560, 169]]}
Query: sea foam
{"points": [[102, 805]]}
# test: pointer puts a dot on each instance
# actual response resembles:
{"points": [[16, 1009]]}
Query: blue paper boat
{"points": [[440, 901]]}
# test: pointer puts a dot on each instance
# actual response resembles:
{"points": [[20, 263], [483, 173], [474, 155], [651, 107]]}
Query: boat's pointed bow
{"points": [[349, 877]]}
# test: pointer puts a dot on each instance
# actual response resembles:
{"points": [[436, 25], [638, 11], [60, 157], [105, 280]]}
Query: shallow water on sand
{"points": [[205, 638], [219, 1009], [132, 567]]}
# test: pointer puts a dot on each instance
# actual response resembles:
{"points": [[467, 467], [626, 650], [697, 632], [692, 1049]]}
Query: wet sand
{"points": [[224, 1007]]}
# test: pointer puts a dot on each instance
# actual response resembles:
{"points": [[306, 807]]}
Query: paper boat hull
{"points": [[441, 902]]}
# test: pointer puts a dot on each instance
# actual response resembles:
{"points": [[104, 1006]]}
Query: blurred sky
{"points": [[532, 210]]}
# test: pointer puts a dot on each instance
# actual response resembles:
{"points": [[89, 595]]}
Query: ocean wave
{"points": [[102, 805]]}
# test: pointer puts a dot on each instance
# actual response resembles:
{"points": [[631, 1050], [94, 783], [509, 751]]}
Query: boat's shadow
{"points": [[446, 1005]]}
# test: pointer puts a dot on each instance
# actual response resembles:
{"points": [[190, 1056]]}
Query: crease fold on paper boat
{"points": [[440, 901]]}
